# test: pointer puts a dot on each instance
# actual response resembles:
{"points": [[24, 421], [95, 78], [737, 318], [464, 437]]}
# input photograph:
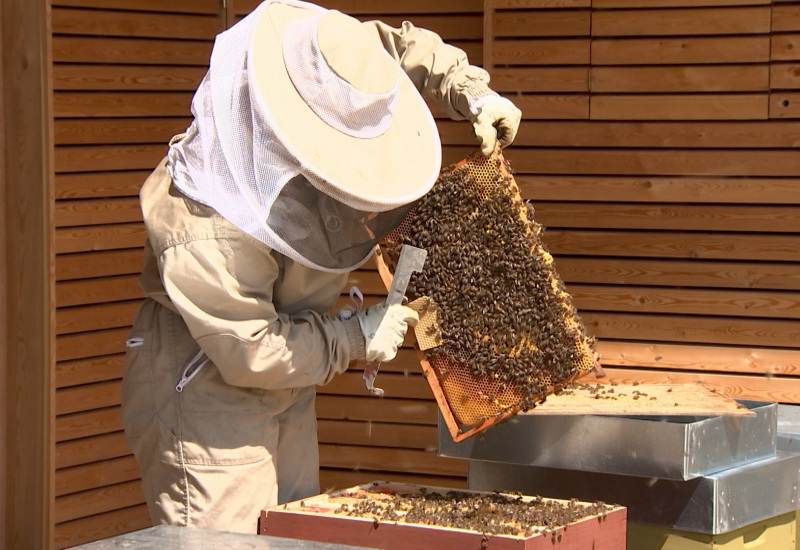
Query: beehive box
{"points": [[397, 516]]}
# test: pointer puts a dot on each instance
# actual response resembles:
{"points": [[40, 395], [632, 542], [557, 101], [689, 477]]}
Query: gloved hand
{"points": [[384, 329], [495, 120]]}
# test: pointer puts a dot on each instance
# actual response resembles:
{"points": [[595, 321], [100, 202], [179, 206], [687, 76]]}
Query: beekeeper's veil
{"points": [[307, 135]]}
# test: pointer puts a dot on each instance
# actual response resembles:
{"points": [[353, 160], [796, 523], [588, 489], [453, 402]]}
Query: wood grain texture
{"points": [[101, 526]]}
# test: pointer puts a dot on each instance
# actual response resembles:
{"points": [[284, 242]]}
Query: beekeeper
{"points": [[310, 140]]}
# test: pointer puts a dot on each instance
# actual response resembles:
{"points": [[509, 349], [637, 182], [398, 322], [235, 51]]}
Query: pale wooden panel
{"points": [[379, 434], [386, 409], [660, 189], [710, 246], [88, 397], [784, 105], [573, 106], [109, 237], [684, 79], [86, 424], [332, 479], [96, 131], [541, 52], [393, 460], [677, 217], [382, 8], [122, 104], [786, 17], [680, 107], [604, 4], [91, 449], [561, 23], [101, 526], [99, 158], [100, 184], [99, 264], [693, 329], [141, 25], [96, 501], [126, 78], [96, 291], [785, 76], [87, 371], [658, 134], [412, 386], [688, 273], [701, 21], [95, 317], [759, 361], [93, 212], [186, 6], [93, 344], [739, 303], [69, 49], [758, 388], [678, 162], [541, 79], [682, 50], [785, 47], [93, 476]]}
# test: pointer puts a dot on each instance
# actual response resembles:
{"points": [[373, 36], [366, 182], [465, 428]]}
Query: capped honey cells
{"points": [[509, 333]]}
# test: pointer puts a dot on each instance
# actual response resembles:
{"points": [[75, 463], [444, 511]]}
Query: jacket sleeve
{"points": [[439, 71], [222, 287]]}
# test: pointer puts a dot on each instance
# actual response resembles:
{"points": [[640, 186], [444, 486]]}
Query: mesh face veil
{"points": [[237, 159]]}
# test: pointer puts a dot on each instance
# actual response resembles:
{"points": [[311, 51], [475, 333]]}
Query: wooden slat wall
{"points": [[124, 73], [660, 149]]}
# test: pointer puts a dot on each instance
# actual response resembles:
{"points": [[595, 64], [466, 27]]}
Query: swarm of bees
{"points": [[506, 322]]}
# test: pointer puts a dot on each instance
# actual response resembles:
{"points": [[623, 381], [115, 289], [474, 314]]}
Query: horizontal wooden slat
{"points": [[392, 460], [676, 162], [91, 449], [395, 385], [693, 329], [679, 107], [101, 526], [683, 50], [100, 184], [95, 501], [541, 52], [561, 23], [386, 7], [457, 26], [99, 158], [387, 409], [760, 361], [379, 434], [121, 104], [76, 293], [87, 371], [785, 47], [133, 24], [679, 217], [784, 105], [658, 134], [69, 213], [182, 6], [784, 76], [130, 51], [95, 317], [108, 237], [87, 424], [126, 78], [786, 17], [331, 479], [605, 4], [679, 273], [95, 131], [98, 264], [548, 106], [539, 4], [93, 476], [541, 79], [91, 344], [738, 303], [666, 22], [710, 246], [681, 78], [88, 397]]}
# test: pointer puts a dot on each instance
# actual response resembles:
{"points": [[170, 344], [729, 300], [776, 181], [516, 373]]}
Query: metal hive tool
{"points": [[507, 334]]}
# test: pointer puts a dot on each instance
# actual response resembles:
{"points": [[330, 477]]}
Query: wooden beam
{"points": [[28, 504]]}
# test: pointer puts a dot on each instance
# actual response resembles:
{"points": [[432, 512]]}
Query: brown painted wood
{"points": [[700, 21], [69, 213], [562, 23], [92, 344], [541, 79], [91, 449], [785, 47], [101, 526], [132, 24], [552, 106], [541, 51], [605, 4], [187, 6], [88, 397], [681, 79], [369, 7], [100, 184], [379, 434], [89, 370], [98, 50], [98, 264], [387, 409], [89, 423], [680, 107], [681, 50], [96, 475], [95, 317], [98, 291], [121, 104], [129, 78], [785, 17], [94, 131], [784, 105], [395, 385], [784, 76], [332, 479], [108, 237], [100, 158], [94, 501], [388, 459]]}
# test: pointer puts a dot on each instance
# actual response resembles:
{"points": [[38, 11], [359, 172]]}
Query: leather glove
{"points": [[495, 120], [384, 329]]}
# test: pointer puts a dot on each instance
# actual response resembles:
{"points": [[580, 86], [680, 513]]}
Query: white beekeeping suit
{"points": [[310, 140]]}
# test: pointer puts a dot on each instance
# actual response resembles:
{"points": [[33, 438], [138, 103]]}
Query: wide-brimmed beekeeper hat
{"points": [[307, 135]]}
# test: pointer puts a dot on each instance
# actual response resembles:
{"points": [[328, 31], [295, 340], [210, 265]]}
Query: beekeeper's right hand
{"points": [[384, 329]]}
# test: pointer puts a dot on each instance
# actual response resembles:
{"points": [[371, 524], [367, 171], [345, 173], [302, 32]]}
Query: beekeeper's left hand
{"points": [[495, 120]]}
